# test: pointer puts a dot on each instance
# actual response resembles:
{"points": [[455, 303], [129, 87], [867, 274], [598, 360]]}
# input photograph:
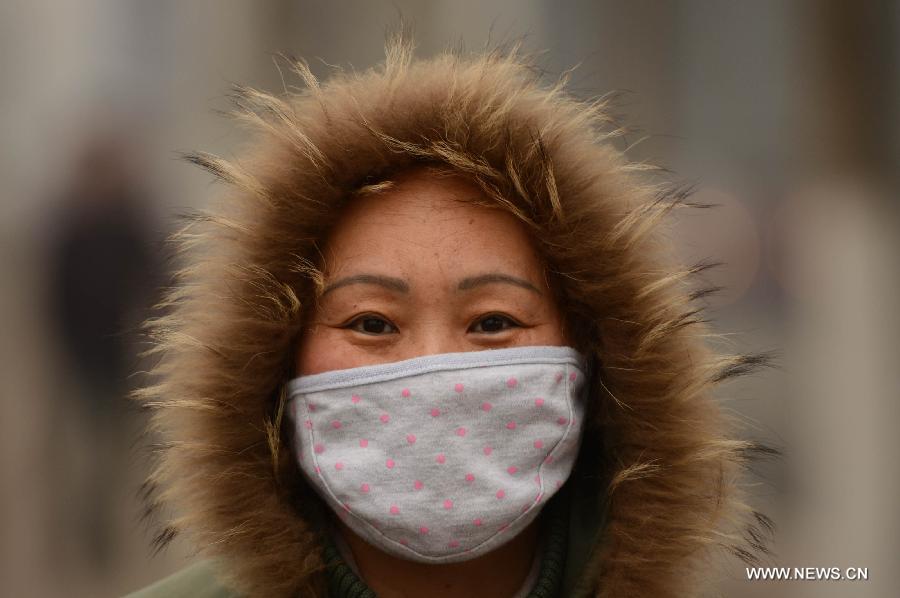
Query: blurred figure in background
{"points": [[102, 274]]}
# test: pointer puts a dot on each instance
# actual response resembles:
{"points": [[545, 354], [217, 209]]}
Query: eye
{"points": [[495, 323], [371, 324]]}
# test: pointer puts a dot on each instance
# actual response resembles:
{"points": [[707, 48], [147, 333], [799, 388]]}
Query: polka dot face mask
{"points": [[441, 458]]}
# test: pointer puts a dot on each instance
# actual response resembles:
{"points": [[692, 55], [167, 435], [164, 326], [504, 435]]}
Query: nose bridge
{"points": [[436, 344], [434, 332]]}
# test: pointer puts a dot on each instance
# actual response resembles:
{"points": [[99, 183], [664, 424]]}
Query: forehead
{"points": [[424, 225]]}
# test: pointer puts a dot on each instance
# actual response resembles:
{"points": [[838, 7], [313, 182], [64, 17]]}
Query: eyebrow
{"points": [[401, 286], [474, 281], [389, 282]]}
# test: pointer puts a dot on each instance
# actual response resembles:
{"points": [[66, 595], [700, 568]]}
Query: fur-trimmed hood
{"points": [[659, 465]]}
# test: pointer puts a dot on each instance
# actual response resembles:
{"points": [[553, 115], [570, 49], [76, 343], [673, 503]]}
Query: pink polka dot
{"points": [[318, 470], [405, 392], [548, 459], [363, 443], [458, 387], [511, 425], [395, 510], [486, 406], [364, 488], [488, 450], [448, 504], [404, 541], [470, 477], [312, 407], [319, 448], [390, 463], [423, 530], [539, 402], [512, 469], [460, 431], [559, 377], [356, 399], [572, 376], [501, 493], [339, 466], [477, 522], [512, 382], [562, 421], [539, 497], [336, 425], [411, 438], [453, 544], [385, 418], [435, 412], [441, 458], [308, 424], [418, 485], [537, 479], [538, 444]]}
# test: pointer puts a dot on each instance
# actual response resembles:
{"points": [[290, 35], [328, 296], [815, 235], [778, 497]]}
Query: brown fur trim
{"points": [[227, 328]]}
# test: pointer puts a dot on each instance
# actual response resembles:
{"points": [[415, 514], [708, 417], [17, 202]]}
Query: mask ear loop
{"points": [[273, 429], [590, 365]]}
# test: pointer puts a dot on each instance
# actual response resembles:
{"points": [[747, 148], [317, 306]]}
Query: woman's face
{"points": [[410, 272]]}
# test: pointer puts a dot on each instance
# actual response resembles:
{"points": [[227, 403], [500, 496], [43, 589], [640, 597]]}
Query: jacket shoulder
{"points": [[198, 580]]}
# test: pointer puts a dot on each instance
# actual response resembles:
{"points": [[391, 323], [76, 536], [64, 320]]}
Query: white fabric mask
{"points": [[441, 458]]}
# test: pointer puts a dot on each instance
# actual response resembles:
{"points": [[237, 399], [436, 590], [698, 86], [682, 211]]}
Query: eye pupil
{"points": [[485, 324], [377, 328]]}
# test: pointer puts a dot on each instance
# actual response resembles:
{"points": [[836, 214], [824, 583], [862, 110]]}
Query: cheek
{"points": [[319, 351], [552, 331]]}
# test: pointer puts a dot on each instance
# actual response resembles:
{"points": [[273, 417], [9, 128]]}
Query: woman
{"points": [[433, 344]]}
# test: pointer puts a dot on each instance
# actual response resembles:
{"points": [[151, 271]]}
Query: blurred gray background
{"points": [[786, 113]]}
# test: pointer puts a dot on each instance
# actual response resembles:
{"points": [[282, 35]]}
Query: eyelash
{"points": [[513, 323], [363, 318], [351, 325]]}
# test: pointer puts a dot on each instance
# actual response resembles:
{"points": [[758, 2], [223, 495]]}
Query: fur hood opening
{"points": [[661, 465]]}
